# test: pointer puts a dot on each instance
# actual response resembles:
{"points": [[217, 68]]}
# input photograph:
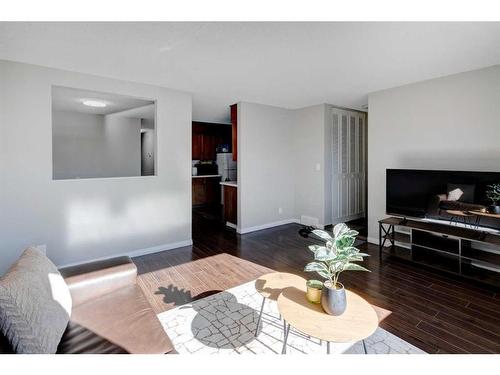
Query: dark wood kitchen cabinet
{"points": [[197, 146], [234, 130], [206, 137], [205, 190], [230, 204], [209, 146]]}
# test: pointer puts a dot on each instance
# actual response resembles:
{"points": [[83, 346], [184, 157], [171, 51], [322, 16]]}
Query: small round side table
{"points": [[358, 322]]}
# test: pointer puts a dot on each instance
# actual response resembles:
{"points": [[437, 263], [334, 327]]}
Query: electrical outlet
{"points": [[280, 210], [318, 167]]}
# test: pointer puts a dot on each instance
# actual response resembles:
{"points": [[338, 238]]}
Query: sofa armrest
{"points": [[434, 203], [91, 280]]}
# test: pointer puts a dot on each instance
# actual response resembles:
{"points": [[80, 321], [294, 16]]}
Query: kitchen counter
{"points": [[207, 176], [229, 183]]}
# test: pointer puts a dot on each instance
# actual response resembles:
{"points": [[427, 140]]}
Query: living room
{"points": [[360, 213]]}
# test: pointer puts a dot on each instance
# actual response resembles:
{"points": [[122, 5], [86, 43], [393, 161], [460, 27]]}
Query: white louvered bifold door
{"points": [[348, 169]]}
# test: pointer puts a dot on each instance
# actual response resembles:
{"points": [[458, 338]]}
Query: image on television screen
{"points": [[471, 199]]}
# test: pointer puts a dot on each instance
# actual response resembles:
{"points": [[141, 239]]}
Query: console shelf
{"points": [[461, 251]]}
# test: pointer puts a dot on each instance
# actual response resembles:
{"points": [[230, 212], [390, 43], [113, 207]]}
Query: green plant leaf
{"points": [[340, 229], [493, 193], [320, 268], [322, 234], [354, 267], [325, 275], [315, 248], [315, 267], [343, 242], [355, 258], [324, 255]]}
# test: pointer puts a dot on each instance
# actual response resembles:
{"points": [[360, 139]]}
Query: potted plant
{"points": [[338, 255], [493, 195]]}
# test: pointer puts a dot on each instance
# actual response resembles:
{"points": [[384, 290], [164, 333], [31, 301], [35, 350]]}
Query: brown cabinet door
{"points": [[212, 190], [234, 123], [196, 146], [199, 196], [209, 145], [205, 191], [230, 204], [206, 137]]}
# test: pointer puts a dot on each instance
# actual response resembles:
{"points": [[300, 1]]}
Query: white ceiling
{"points": [[290, 65], [70, 99]]}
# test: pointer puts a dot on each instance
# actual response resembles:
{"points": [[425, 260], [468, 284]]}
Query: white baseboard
{"points": [[372, 240], [136, 253], [345, 219], [159, 248], [267, 226]]}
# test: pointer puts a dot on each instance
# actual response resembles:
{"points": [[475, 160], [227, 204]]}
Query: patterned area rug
{"points": [[225, 323]]}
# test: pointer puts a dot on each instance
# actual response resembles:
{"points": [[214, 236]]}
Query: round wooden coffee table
{"points": [[480, 214], [358, 322], [270, 286], [457, 216]]}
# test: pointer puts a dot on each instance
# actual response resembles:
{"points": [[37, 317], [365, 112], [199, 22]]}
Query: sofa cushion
{"points": [[455, 194], [125, 318], [35, 304], [467, 195]]}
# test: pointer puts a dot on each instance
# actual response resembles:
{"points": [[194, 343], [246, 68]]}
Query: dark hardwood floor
{"points": [[435, 312]]}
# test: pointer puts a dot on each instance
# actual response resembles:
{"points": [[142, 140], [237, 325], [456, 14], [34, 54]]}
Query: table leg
{"points": [[328, 347], [380, 241], [260, 315], [364, 346], [287, 331]]}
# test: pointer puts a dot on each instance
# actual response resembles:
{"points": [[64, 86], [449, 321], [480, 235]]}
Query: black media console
{"points": [[461, 251]]}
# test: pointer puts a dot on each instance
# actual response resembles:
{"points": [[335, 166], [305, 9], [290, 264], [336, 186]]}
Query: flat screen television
{"points": [[440, 194]]}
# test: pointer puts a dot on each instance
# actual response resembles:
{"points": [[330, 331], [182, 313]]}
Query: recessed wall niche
{"points": [[100, 135]]}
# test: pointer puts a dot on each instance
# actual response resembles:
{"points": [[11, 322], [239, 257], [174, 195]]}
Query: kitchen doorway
{"points": [[212, 168]]}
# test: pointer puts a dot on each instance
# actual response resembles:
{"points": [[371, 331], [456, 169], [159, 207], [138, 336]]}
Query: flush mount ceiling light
{"points": [[94, 103]]}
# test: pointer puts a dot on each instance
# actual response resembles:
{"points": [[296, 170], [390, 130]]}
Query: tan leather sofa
{"points": [[110, 313]]}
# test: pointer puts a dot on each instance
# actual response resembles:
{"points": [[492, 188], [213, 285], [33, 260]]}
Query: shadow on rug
{"points": [[225, 323], [222, 322]]}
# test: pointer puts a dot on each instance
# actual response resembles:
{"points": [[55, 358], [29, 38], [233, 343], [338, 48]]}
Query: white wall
{"points": [[123, 145], [78, 145], [88, 146], [445, 123], [265, 166], [310, 168], [287, 153], [147, 153], [87, 219], [148, 147]]}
